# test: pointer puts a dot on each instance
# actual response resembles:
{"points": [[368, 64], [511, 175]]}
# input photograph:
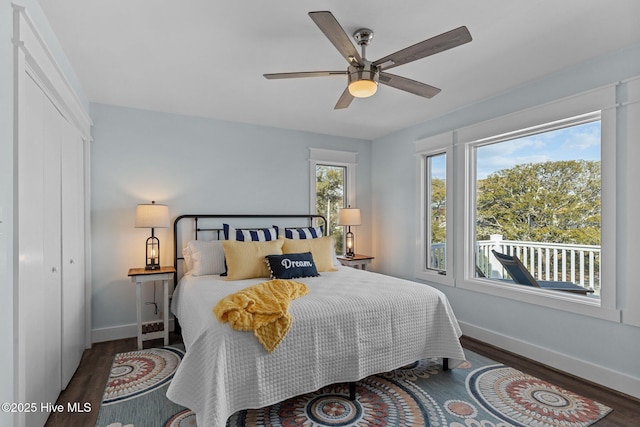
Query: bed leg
{"points": [[445, 364], [352, 391], [176, 326]]}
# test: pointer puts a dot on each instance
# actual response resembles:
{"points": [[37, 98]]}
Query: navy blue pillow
{"points": [[250, 235], [291, 266], [303, 233]]}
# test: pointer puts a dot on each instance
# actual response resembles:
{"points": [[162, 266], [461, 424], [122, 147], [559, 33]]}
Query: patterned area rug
{"points": [[479, 393]]}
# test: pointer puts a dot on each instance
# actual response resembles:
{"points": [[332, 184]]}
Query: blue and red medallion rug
{"points": [[479, 393]]}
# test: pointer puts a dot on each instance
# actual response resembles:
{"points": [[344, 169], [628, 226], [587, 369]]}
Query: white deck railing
{"points": [[579, 264]]}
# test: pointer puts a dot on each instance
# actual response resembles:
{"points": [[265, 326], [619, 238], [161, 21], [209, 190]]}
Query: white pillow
{"points": [[186, 254], [207, 257], [336, 263]]}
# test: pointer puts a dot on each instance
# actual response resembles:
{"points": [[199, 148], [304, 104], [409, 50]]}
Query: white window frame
{"points": [[324, 157], [426, 148], [461, 201]]}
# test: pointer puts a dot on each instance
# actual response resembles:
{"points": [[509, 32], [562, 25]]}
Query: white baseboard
{"points": [[119, 332], [595, 373]]}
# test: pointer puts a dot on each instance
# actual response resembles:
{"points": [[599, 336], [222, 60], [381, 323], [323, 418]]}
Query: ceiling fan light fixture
{"points": [[363, 88], [363, 81]]}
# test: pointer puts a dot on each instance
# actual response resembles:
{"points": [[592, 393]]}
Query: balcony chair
{"points": [[521, 276]]}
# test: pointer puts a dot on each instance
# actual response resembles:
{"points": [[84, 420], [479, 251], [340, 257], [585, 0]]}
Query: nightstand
{"points": [[152, 330], [356, 261]]}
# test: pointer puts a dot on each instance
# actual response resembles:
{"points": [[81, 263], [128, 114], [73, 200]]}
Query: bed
{"points": [[350, 325]]}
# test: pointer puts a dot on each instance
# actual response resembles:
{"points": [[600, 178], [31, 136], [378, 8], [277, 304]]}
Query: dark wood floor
{"points": [[626, 410], [89, 380], [87, 385]]}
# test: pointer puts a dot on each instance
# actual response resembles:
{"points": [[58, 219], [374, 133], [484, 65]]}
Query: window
{"points": [[434, 254], [538, 197], [333, 186], [330, 197], [436, 221], [538, 183]]}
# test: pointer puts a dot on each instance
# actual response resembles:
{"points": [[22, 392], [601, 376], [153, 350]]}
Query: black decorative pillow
{"points": [[291, 266]]}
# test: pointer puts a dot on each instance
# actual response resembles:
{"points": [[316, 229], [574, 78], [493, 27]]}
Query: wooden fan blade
{"points": [[336, 35], [425, 48], [303, 74], [345, 100], [408, 85]]}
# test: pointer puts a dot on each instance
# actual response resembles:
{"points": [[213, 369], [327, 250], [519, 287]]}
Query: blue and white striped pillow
{"points": [[303, 233], [255, 235]]}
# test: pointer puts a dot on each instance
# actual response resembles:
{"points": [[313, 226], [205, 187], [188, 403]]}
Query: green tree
{"points": [[438, 210], [556, 202], [330, 198]]}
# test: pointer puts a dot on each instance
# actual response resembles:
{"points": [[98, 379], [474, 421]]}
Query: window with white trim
{"points": [[538, 198], [515, 192], [332, 187], [434, 254]]}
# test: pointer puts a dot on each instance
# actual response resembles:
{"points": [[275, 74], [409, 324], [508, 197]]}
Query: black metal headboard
{"points": [[205, 223]]}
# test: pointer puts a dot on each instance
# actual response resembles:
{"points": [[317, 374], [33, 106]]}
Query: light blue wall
{"points": [[194, 165], [602, 343]]}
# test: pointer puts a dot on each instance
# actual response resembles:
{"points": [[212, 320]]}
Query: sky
{"points": [[579, 142]]}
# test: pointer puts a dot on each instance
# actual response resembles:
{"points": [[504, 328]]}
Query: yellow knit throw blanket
{"points": [[263, 309]]}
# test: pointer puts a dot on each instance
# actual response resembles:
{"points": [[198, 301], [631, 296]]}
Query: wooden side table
{"points": [[356, 261], [140, 276]]}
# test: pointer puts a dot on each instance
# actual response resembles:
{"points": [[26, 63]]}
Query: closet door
{"points": [[39, 317], [51, 130], [51, 316], [30, 251], [73, 292]]}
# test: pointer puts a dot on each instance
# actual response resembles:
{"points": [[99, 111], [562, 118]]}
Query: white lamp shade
{"points": [[349, 216], [152, 215]]}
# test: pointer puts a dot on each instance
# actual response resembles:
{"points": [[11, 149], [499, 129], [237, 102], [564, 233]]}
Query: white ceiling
{"points": [[206, 57]]}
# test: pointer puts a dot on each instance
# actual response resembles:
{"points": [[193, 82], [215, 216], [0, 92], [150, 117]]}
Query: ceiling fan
{"points": [[364, 75]]}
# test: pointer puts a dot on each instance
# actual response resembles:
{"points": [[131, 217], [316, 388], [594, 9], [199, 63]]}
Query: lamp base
{"points": [[152, 267], [349, 255]]}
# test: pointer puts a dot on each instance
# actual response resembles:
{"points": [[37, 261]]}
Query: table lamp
{"points": [[152, 216], [349, 216]]}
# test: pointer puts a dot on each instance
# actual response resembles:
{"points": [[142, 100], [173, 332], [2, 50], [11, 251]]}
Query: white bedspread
{"points": [[352, 324]]}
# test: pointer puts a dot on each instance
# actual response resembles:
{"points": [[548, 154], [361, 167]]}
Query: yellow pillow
{"points": [[321, 249], [245, 260]]}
